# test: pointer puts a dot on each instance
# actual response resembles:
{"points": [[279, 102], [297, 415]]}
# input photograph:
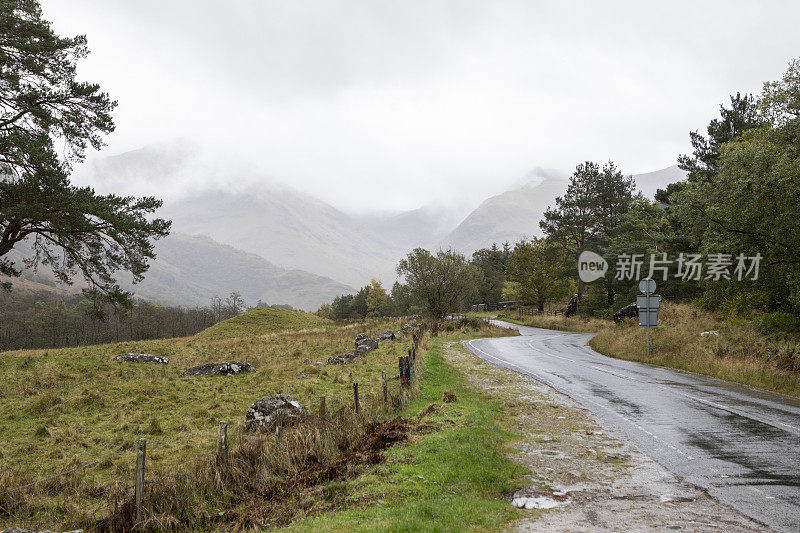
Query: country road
{"points": [[740, 444]]}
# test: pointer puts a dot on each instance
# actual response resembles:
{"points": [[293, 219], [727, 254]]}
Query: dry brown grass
{"points": [[741, 352]]}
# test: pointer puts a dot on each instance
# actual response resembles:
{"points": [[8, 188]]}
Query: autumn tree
{"points": [[378, 302]]}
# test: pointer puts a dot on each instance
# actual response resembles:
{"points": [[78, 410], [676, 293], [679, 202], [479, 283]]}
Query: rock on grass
{"points": [[227, 368], [268, 411], [142, 358]]}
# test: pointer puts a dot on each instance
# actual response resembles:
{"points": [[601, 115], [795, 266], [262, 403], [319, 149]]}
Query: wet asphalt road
{"points": [[740, 444]]}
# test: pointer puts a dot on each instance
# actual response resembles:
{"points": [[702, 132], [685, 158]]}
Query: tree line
{"points": [[43, 319]]}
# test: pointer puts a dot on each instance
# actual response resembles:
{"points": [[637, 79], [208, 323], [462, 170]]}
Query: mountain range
{"points": [[273, 243]]}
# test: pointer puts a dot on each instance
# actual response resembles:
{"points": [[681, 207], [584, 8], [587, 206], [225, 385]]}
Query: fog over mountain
{"points": [[287, 246], [404, 103]]}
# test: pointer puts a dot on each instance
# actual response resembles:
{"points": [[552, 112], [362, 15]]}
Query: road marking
{"points": [[631, 422], [530, 344], [585, 399], [793, 429]]}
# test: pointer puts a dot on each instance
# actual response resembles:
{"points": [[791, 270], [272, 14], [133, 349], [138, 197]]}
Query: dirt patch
{"points": [[586, 477]]}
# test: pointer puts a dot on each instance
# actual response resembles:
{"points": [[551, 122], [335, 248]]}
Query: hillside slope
{"points": [[189, 270], [289, 229], [515, 214], [506, 217]]}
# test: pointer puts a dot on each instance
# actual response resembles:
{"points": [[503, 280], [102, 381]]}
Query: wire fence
{"points": [[12, 511]]}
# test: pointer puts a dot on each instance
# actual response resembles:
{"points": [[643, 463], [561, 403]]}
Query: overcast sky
{"points": [[414, 101]]}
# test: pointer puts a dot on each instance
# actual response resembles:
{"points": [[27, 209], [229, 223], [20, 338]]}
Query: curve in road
{"points": [[740, 444]]}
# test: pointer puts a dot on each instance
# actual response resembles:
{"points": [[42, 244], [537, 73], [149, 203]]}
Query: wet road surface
{"points": [[740, 444]]}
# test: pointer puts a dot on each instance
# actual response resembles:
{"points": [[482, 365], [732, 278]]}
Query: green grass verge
{"points": [[452, 479]]}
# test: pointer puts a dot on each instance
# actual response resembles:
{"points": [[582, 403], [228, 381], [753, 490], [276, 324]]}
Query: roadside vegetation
{"points": [[451, 477], [763, 351]]}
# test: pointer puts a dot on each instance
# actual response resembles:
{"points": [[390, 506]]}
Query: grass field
{"points": [[62, 408], [752, 352]]}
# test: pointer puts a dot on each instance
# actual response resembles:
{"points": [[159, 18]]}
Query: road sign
{"points": [[647, 304], [648, 318], [644, 302], [647, 285]]}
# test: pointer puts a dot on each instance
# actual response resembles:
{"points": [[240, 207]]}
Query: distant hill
{"points": [[650, 182], [189, 270], [407, 230], [506, 217], [515, 214], [289, 229]]}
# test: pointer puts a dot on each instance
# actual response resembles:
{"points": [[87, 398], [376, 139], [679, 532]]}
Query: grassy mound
{"points": [[262, 321]]}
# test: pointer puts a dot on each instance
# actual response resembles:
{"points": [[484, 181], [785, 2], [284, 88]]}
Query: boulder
{"points": [[142, 358], [629, 311], [266, 412], [366, 344], [343, 358], [364, 348], [227, 368], [385, 336], [408, 326]]}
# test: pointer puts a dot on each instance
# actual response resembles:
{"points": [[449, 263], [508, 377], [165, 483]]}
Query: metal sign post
{"points": [[647, 306]]}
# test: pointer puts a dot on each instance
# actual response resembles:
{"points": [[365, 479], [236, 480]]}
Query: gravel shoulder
{"points": [[601, 481]]}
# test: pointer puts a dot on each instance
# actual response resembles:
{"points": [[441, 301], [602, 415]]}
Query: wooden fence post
{"points": [[402, 370], [223, 446], [385, 390], [322, 407], [356, 405], [279, 429], [138, 498]]}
